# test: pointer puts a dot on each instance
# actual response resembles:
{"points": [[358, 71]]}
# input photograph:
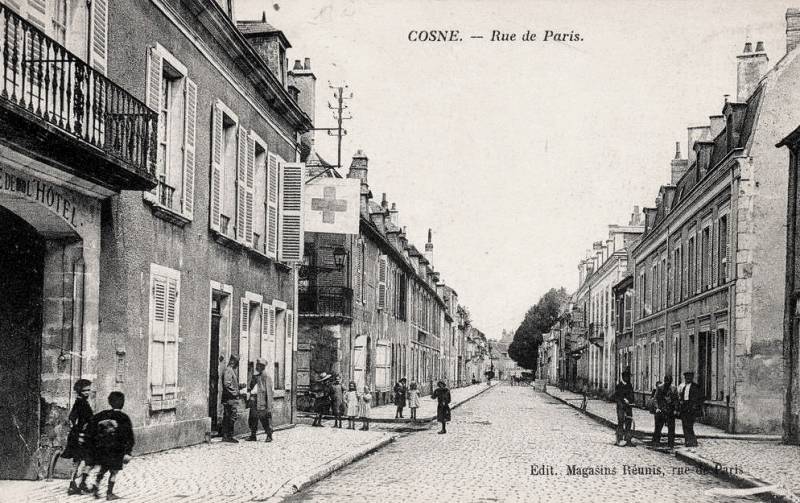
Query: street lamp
{"points": [[307, 270], [339, 257]]}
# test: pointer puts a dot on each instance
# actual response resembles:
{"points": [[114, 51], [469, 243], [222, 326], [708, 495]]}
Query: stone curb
{"points": [[405, 420], [300, 482], [642, 434], [739, 479]]}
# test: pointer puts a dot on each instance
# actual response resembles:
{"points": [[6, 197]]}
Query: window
{"points": [[654, 284], [664, 282], [382, 277], [174, 97], [723, 250], [721, 364], [676, 274], [704, 364], [279, 350], [163, 324], [642, 293], [692, 278], [628, 321], [705, 258]]}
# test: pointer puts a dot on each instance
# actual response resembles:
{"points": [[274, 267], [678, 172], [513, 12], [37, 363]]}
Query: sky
{"points": [[519, 154]]}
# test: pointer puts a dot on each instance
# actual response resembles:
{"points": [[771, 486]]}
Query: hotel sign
{"points": [[70, 207]]}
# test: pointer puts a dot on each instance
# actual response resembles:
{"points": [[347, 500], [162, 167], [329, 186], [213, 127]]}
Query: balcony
{"points": [[57, 109], [326, 302], [596, 334]]}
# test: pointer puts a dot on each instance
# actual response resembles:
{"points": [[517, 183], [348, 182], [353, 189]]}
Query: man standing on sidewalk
{"points": [[691, 407], [261, 394], [666, 406], [230, 399], [623, 394]]}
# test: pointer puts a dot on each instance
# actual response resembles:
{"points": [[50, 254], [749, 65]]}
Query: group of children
{"points": [[97, 443], [349, 403]]}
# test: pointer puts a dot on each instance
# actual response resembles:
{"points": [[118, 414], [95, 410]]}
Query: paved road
{"points": [[489, 452]]}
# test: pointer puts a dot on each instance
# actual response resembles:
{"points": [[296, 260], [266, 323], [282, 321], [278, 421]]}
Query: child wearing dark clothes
{"points": [[77, 448], [111, 434]]}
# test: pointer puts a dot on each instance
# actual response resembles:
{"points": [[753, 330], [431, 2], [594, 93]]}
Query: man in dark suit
{"points": [[623, 395], [691, 406]]}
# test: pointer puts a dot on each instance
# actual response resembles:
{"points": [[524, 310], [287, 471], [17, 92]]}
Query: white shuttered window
{"points": [[291, 212], [164, 330]]}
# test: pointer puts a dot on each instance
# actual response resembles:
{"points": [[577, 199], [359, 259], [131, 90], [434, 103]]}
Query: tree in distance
{"points": [[524, 349]]}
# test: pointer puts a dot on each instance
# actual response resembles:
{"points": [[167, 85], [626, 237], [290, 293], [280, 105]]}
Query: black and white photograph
{"points": [[407, 251]]}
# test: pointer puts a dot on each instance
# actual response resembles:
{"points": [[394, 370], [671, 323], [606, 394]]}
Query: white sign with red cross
{"points": [[332, 205]]}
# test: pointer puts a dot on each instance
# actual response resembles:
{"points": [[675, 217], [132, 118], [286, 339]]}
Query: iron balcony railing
{"points": [[327, 301], [44, 78]]}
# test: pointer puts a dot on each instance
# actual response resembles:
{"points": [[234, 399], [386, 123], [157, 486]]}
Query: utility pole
{"points": [[340, 94]]}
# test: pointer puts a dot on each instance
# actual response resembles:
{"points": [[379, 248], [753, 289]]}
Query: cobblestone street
{"points": [[489, 451]]}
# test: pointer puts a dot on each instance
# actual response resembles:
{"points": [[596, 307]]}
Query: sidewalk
{"points": [[427, 408], [606, 412], [247, 471], [746, 460]]}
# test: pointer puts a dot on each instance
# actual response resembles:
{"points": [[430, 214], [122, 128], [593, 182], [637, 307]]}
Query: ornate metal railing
{"points": [[326, 301], [44, 78], [166, 194]]}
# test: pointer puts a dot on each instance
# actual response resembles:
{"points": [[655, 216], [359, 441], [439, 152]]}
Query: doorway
{"points": [[22, 252], [214, 363]]}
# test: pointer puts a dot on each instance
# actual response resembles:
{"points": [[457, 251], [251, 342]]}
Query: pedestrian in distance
{"points": [[351, 405], [400, 391], [230, 399], [365, 408], [691, 407], [261, 395], [111, 439], [337, 401], [623, 395], [442, 395], [77, 446], [321, 390], [666, 409], [413, 400]]}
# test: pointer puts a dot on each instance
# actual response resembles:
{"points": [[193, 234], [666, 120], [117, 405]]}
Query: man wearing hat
{"points": [[230, 399], [261, 394], [623, 394], [691, 406]]}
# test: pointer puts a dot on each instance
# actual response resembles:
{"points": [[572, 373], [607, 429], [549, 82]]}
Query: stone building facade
{"points": [[180, 216], [380, 317], [709, 272]]}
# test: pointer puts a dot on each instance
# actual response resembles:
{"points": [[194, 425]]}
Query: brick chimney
{"points": [[429, 247], [358, 169], [792, 29], [750, 67], [304, 80], [394, 215], [678, 166], [269, 42], [696, 133], [636, 217]]}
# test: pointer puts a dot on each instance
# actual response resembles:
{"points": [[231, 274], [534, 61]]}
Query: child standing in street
{"points": [[337, 401], [413, 400], [77, 448], [351, 406], [111, 437], [365, 408]]}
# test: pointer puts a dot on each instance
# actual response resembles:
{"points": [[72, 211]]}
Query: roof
{"points": [[316, 165]]}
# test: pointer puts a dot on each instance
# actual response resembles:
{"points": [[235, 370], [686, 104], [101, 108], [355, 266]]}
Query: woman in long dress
{"points": [[442, 394]]}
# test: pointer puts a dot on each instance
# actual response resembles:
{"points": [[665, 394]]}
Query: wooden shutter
{"points": [[250, 175], [171, 342], [37, 14], [382, 282], [265, 331], [241, 181], [714, 254], [244, 333], [155, 64], [98, 36], [290, 334], [158, 335], [189, 131], [272, 205], [729, 271], [270, 354], [215, 203], [291, 212]]}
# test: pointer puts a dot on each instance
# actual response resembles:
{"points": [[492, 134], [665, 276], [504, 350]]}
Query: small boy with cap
{"points": [[261, 395]]}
